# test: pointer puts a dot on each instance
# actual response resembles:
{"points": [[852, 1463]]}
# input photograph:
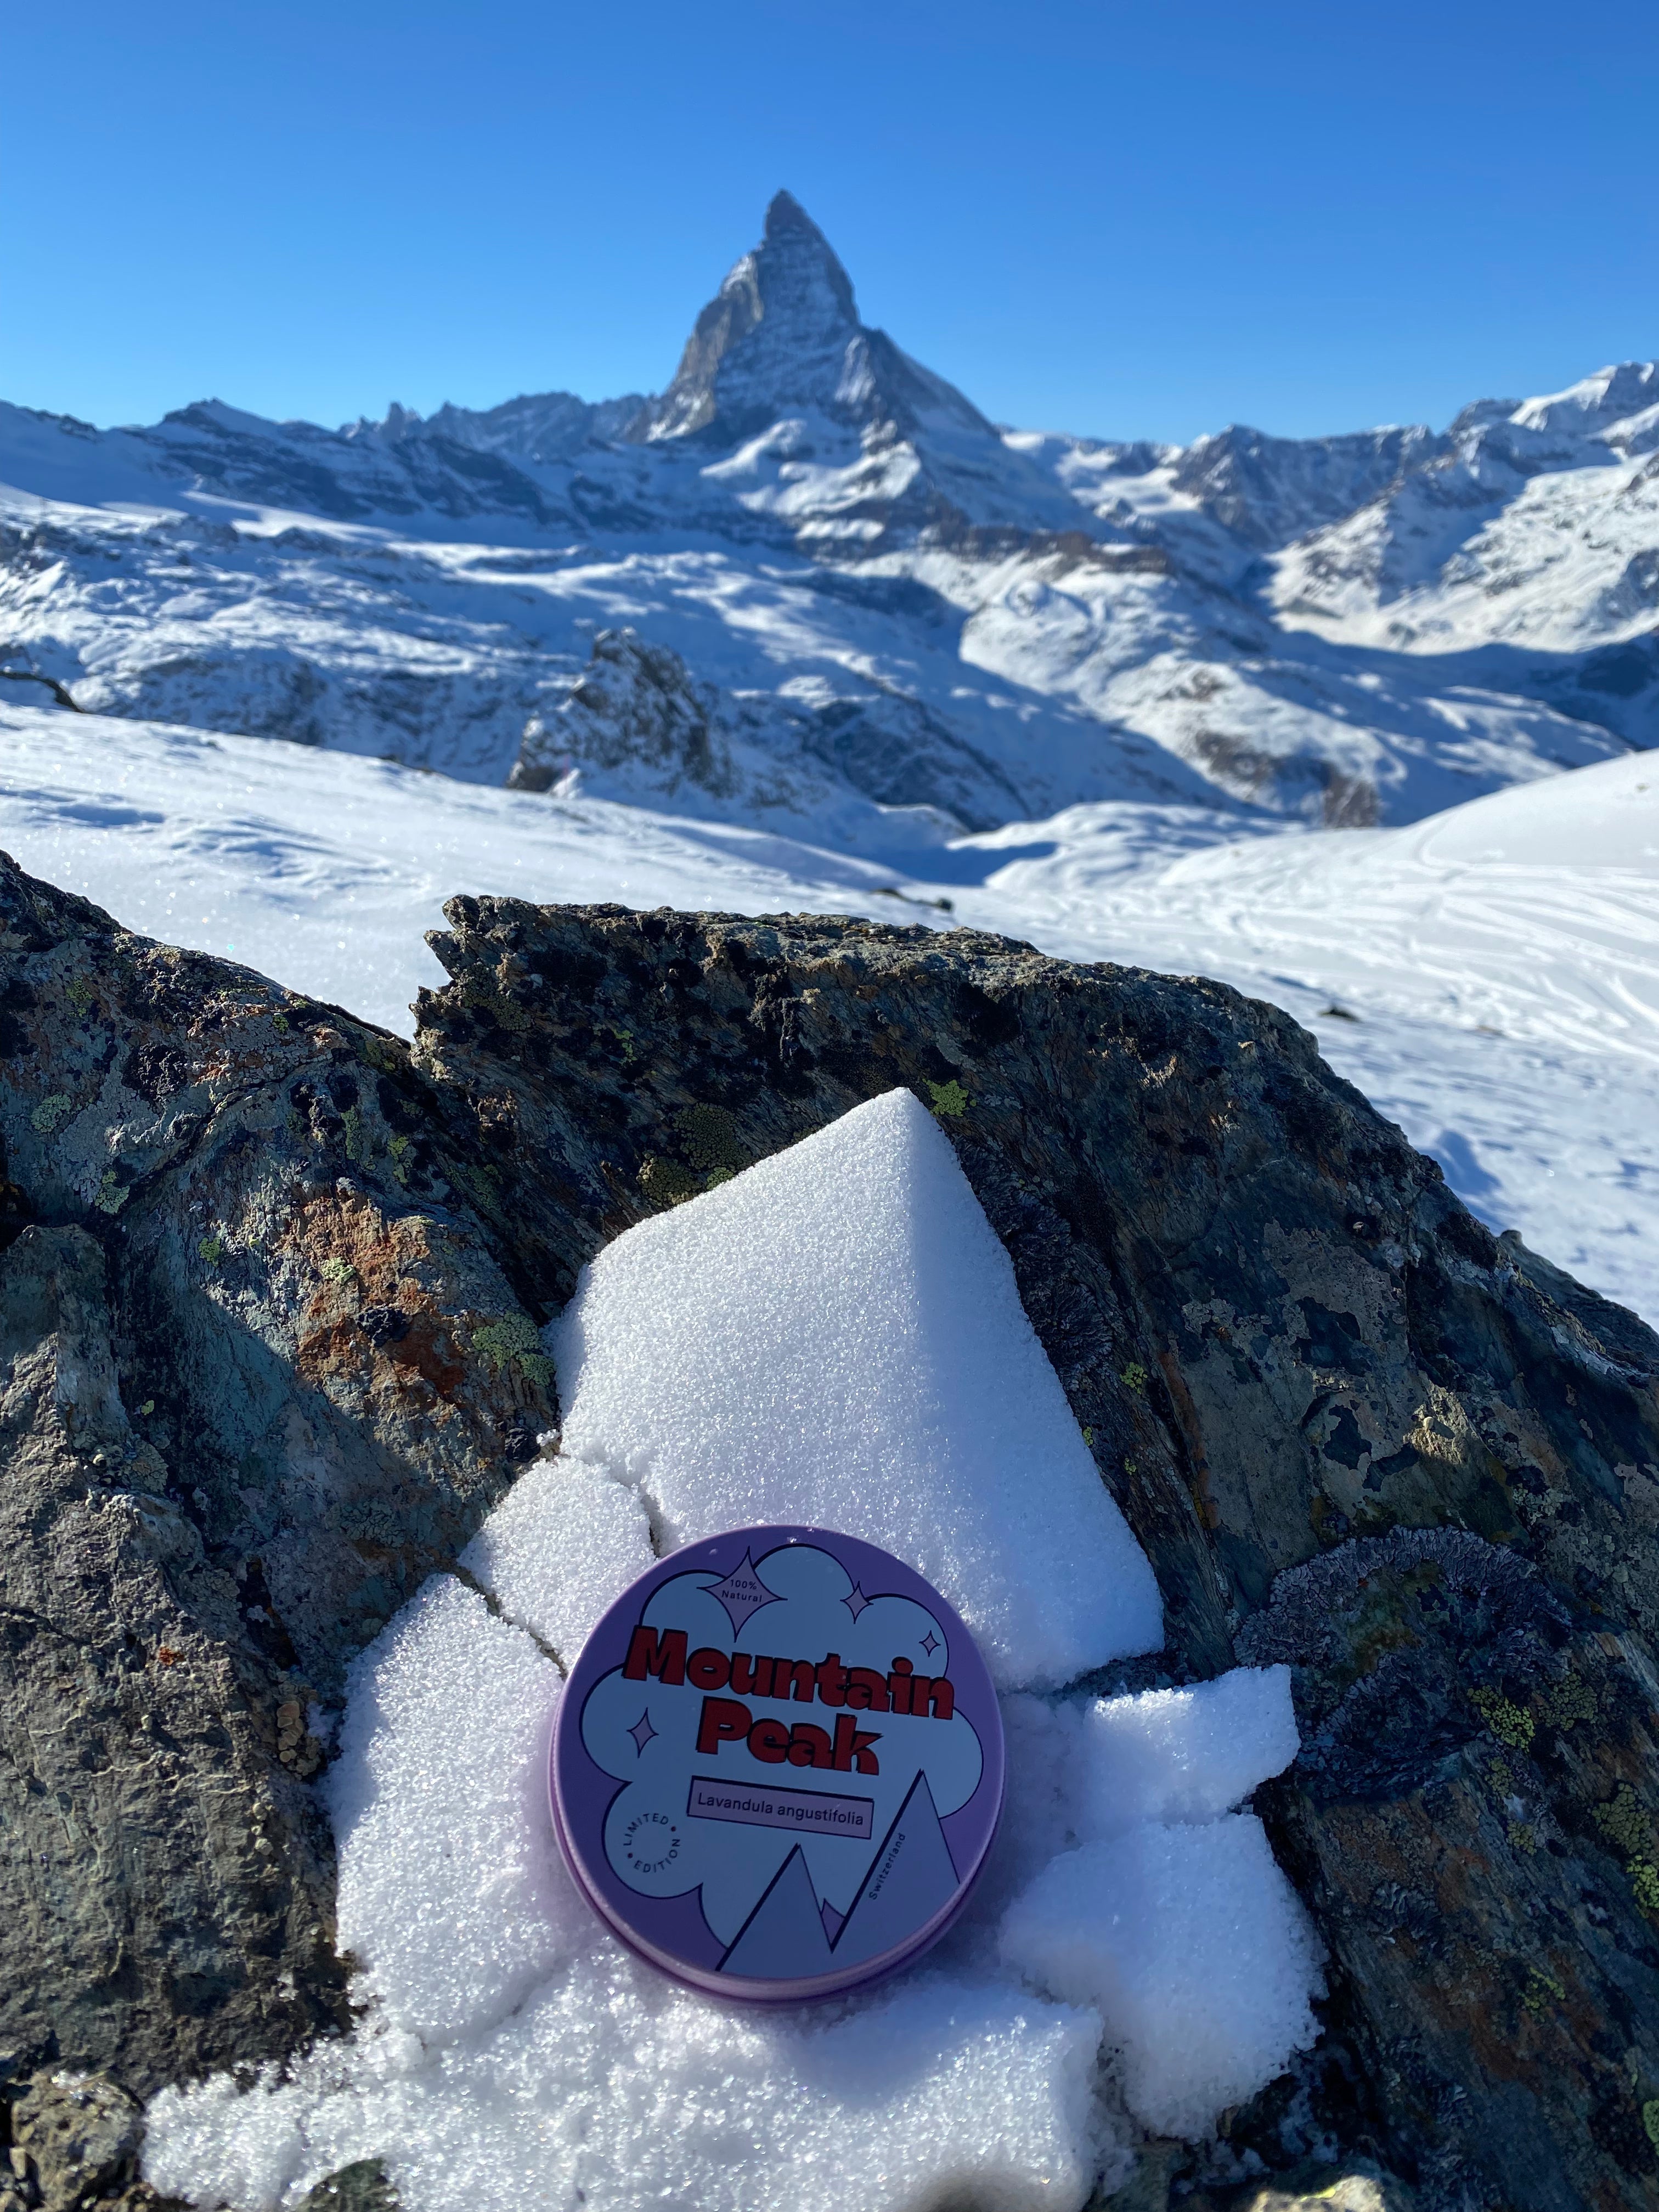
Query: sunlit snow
{"points": [[1489, 977], [513, 2052]]}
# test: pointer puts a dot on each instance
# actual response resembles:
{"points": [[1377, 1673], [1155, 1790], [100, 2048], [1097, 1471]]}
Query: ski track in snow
{"points": [[1501, 960]]}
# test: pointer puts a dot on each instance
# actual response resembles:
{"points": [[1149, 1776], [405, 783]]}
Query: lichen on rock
{"points": [[246, 1412]]}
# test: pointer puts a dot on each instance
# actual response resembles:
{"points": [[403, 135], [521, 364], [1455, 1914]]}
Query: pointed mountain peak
{"points": [[795, 256], [782, 338], [774, 340], [786, 213]]}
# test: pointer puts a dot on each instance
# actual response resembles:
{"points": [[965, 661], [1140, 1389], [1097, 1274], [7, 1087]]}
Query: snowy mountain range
{"points": [[812, 584]]}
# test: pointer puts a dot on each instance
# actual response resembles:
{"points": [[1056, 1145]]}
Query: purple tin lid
{"points": [[777, 1766]]}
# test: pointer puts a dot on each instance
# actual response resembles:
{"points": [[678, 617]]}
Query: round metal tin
{"points": [[777, 1766]]}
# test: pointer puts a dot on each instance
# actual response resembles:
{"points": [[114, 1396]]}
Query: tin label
{"points": [[778, 1764]]}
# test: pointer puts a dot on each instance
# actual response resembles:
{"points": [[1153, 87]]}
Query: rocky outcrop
{"points": [[634, 707], [637, 724], [259, 1373], [270, 1307]]}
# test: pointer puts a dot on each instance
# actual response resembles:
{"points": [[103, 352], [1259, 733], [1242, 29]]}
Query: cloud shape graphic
{"points": [[730, 1862]]}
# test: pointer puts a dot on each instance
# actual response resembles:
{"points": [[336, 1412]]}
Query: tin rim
{"points": [[747, 1990]]}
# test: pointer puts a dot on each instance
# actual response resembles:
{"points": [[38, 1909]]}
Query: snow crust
{"points": [[558, 1549], [1196, 1951], [1184, 1755], [438, 1799], [835, 1337], [513, 2053]]}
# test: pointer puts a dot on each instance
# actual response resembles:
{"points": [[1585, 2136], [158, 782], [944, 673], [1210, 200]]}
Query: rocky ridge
{"points": [[271, 1303], [1351, 628]]}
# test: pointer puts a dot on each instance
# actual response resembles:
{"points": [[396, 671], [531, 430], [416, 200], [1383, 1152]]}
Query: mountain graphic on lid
{"points": [[778, 1764]]}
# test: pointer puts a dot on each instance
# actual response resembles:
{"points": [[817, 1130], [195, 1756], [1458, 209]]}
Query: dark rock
{"points": [[297, 1289], [218, 1483], [362, 2187], [75, 2142], [633, 705]]}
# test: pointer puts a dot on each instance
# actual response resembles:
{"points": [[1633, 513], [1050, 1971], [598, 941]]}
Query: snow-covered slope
{"points": [[1490, 977], [896, 603], [1528, 540], [808, 631]]}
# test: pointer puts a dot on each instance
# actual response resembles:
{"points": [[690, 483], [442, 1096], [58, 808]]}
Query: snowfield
{"points": [[1489, 978]]}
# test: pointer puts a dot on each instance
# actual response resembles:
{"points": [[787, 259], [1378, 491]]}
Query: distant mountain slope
{"points": [[883, 601]]}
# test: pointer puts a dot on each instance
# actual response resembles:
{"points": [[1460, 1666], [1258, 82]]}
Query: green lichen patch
{"points": [[1629, 1829], [81, 993], [1133, 1377], [513, 1345], [334, 1269], [665, 1182], [481, 1181], [949, 1098], [709, 1143], [1510, 1723], [1566, 1702], [357, 1145], [212, 1248], [110, 1194], [1624, 1823], [53, 1112], [1650, 2120], [399, 1148], [1541, 1991]]}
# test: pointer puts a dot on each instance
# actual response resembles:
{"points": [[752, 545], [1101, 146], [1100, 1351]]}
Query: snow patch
{"points": [[835, 1337], [1196, 1951], [558, 1548], [452, 1894]]}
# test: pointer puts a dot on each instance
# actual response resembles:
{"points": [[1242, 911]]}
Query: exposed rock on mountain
{"points": [[783, 335], [551, 426], [633, 705], [1344, 630], [1270, 491], [636, 725], [270, 1307]]}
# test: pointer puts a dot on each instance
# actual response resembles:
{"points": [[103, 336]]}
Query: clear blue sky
{"points": [[1130, 221]]}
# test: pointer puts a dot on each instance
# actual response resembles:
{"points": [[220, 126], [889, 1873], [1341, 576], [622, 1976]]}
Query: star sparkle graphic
{"points": [[642, 1731], [855, 1600], [930, 1644], [742, 1593]]}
